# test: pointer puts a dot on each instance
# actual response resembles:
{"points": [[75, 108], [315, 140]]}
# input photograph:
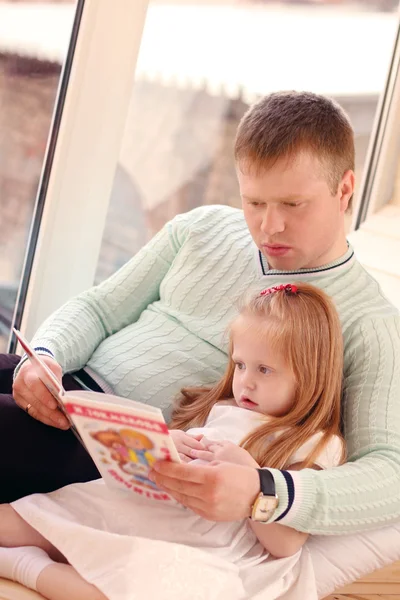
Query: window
{"points": [[31, 58], [119, 174], [199, 68]]}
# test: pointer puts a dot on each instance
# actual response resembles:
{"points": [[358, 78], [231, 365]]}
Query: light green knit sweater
{"points": [[160, 323]]}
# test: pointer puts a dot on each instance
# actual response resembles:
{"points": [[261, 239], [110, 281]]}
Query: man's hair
{"points": [[283, 124]]}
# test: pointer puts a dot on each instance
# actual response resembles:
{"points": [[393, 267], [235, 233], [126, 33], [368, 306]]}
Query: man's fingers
{"points": [[29, 390], [55, 418], [177, 486], [195, 504], [24, 392], [52, 421], [39, 390], [39, 411], [28, 382], [184, 458], [187, 473]]}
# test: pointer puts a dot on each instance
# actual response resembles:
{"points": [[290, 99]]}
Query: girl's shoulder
{"points": [[329, 457]]}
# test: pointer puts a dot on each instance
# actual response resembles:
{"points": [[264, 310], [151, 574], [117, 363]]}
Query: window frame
{"points": [[81, 158], [383, 152]]}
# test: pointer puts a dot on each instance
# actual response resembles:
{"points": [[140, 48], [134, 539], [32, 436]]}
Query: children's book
{"points": [[123, 437]]}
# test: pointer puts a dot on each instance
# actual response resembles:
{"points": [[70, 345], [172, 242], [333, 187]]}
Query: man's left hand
{"points": [[219, 491]]}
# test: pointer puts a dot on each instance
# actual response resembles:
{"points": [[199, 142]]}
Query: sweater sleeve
{"points": [[364, 493], [75, 330]]}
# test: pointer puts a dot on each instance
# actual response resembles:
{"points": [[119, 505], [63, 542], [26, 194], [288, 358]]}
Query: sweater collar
{"points": [[343, 263]]}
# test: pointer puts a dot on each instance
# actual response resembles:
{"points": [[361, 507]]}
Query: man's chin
{"points": [[283, 264]]}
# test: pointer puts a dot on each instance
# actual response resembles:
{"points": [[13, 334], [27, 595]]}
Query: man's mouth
{"points": [[275, 249]]}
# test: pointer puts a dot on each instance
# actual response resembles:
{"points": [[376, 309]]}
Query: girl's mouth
{"points": [[247, 403]]}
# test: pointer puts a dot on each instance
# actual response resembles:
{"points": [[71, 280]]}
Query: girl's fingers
{"points": [[208, 443], [198, 436], [203, 455], [191, 442]]}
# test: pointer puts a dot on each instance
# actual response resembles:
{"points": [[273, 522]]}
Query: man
{"points": [[158, 325]]}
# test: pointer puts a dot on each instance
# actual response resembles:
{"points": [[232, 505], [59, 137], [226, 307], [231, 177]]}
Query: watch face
{"points": [[264, 507]]}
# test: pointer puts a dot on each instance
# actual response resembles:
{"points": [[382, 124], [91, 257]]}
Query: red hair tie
{"points": [[288, 288]]}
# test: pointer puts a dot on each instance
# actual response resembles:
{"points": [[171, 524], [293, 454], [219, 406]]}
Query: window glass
{"points": [[200, 66], [33, 44]]}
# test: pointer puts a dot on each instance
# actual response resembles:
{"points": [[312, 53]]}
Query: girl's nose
{"points": [[250, 383]]}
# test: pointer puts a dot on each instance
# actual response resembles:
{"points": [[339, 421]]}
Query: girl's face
{"points": [[262, 380]]}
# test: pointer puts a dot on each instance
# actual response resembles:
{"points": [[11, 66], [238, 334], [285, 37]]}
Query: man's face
{"points": [[291, 213]]}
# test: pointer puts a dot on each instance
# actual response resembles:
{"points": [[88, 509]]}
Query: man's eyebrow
{"points": [[290, 198]]}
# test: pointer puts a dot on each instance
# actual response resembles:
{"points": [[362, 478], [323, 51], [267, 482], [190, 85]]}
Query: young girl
{"points": [[278, 405]]}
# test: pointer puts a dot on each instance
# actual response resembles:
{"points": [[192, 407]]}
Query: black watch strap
{"points": [[267, 483], [290, 487]]}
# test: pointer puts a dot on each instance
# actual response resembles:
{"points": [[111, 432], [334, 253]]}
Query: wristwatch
{"points": [[267, 501]]}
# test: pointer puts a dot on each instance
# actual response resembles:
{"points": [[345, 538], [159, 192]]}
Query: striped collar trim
{"points": [[342, 263]]}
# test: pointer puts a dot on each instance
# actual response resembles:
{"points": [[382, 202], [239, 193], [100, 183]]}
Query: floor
{"points": [[383, 584]]}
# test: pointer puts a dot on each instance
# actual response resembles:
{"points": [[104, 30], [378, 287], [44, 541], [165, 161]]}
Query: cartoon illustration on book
{"points": [[131, 450], [138, 445], [111, 439]]}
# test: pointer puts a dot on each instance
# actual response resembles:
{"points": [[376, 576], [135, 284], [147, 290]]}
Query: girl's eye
{"points": [[239, 366], [264, 370]]}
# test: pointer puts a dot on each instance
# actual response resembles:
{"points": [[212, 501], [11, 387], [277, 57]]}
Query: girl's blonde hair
{"points": [[304, 326]]}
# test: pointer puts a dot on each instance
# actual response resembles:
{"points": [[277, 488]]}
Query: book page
{"points": [[124, 442]]}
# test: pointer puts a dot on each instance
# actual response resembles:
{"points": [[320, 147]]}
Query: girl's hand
{"points": [[224, 452], [186, 443]]}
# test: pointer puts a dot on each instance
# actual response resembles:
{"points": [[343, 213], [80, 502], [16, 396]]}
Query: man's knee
{"points": [[8, 362]]}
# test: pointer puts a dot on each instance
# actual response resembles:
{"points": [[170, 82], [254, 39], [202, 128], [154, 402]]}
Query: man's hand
{"points": [[224, 451], [28, 389], [220, 491], [186, 444]]}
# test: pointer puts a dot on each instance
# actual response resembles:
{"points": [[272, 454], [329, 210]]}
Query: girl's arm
{"points": [[280, 540]]}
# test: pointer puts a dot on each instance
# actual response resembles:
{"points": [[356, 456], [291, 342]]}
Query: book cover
{"points": [[124, 441], [123, 437]]}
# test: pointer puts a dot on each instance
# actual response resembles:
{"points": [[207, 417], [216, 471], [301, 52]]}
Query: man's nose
{"points": [[273, 221]]}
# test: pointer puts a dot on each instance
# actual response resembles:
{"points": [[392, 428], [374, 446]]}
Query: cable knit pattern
{"points": [[160, 323]]}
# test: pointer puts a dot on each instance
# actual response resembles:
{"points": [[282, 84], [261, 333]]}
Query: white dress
{"points": [[132, 547]]}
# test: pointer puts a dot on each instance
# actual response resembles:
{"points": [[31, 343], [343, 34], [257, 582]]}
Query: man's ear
{"points": [[346, 190]]}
